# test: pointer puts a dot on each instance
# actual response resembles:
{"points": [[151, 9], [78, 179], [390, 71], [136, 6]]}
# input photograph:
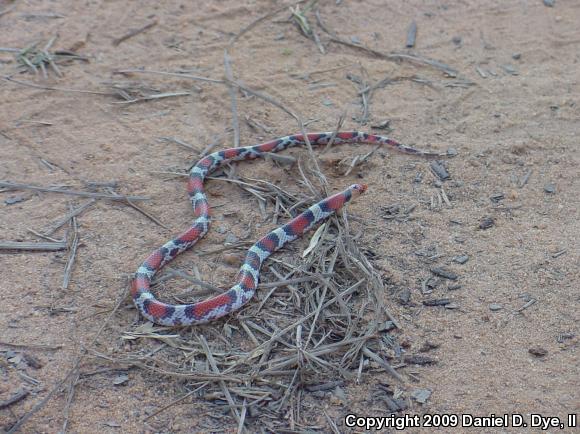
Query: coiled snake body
{"points": [[248, 276]]}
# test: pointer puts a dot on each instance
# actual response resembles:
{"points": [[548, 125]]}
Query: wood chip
{"points": [[444, 272], [411, 35], [437, 302], [486, 223], [461, 259], [417, 359], [18, 396], [439, 170], [538, 351]]}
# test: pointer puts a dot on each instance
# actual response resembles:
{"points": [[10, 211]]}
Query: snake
{"points": [[247, 278]]}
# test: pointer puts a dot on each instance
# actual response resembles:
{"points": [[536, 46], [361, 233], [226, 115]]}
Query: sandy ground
{"points": [[511, 113]]}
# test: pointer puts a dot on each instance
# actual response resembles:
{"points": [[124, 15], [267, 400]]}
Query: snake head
{"points": [[358, 189]]}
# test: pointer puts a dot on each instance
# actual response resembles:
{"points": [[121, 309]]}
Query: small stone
{"points": [[454, 287], [549, 3], [421, 395], [386, 326], [550, 188], [486, 223], [494, 307], [452, 306], [231, 239], [319, 394], [456, 40], [461, 259], [221, 229], [228, 331], [16, 359], [510, 69], [383, 125], [517, 56], [405, 296], [121, 379], [339, 393], [327, 102], [538, 351], [355, 40], [337, 396], [13, 199]]}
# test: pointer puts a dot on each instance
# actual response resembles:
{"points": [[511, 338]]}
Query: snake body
{"points": [[248, 275]]}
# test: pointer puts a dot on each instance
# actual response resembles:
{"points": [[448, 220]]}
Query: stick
{"points": [[171, 74], [222, 383], [19, 396], [383, 363], [259, 20], [72, 253], [140, 210], [32, 346], [134, 32], [75, 212], [388, 56], [27, 245], [16, 185], [60, 89]]}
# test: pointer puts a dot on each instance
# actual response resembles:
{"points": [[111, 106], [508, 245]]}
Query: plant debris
{"points": [[411, 35], [538, 351], [444, 272], [486, 223]]}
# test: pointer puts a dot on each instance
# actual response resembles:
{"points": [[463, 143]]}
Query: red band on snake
{"points": [[248, 276]]}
